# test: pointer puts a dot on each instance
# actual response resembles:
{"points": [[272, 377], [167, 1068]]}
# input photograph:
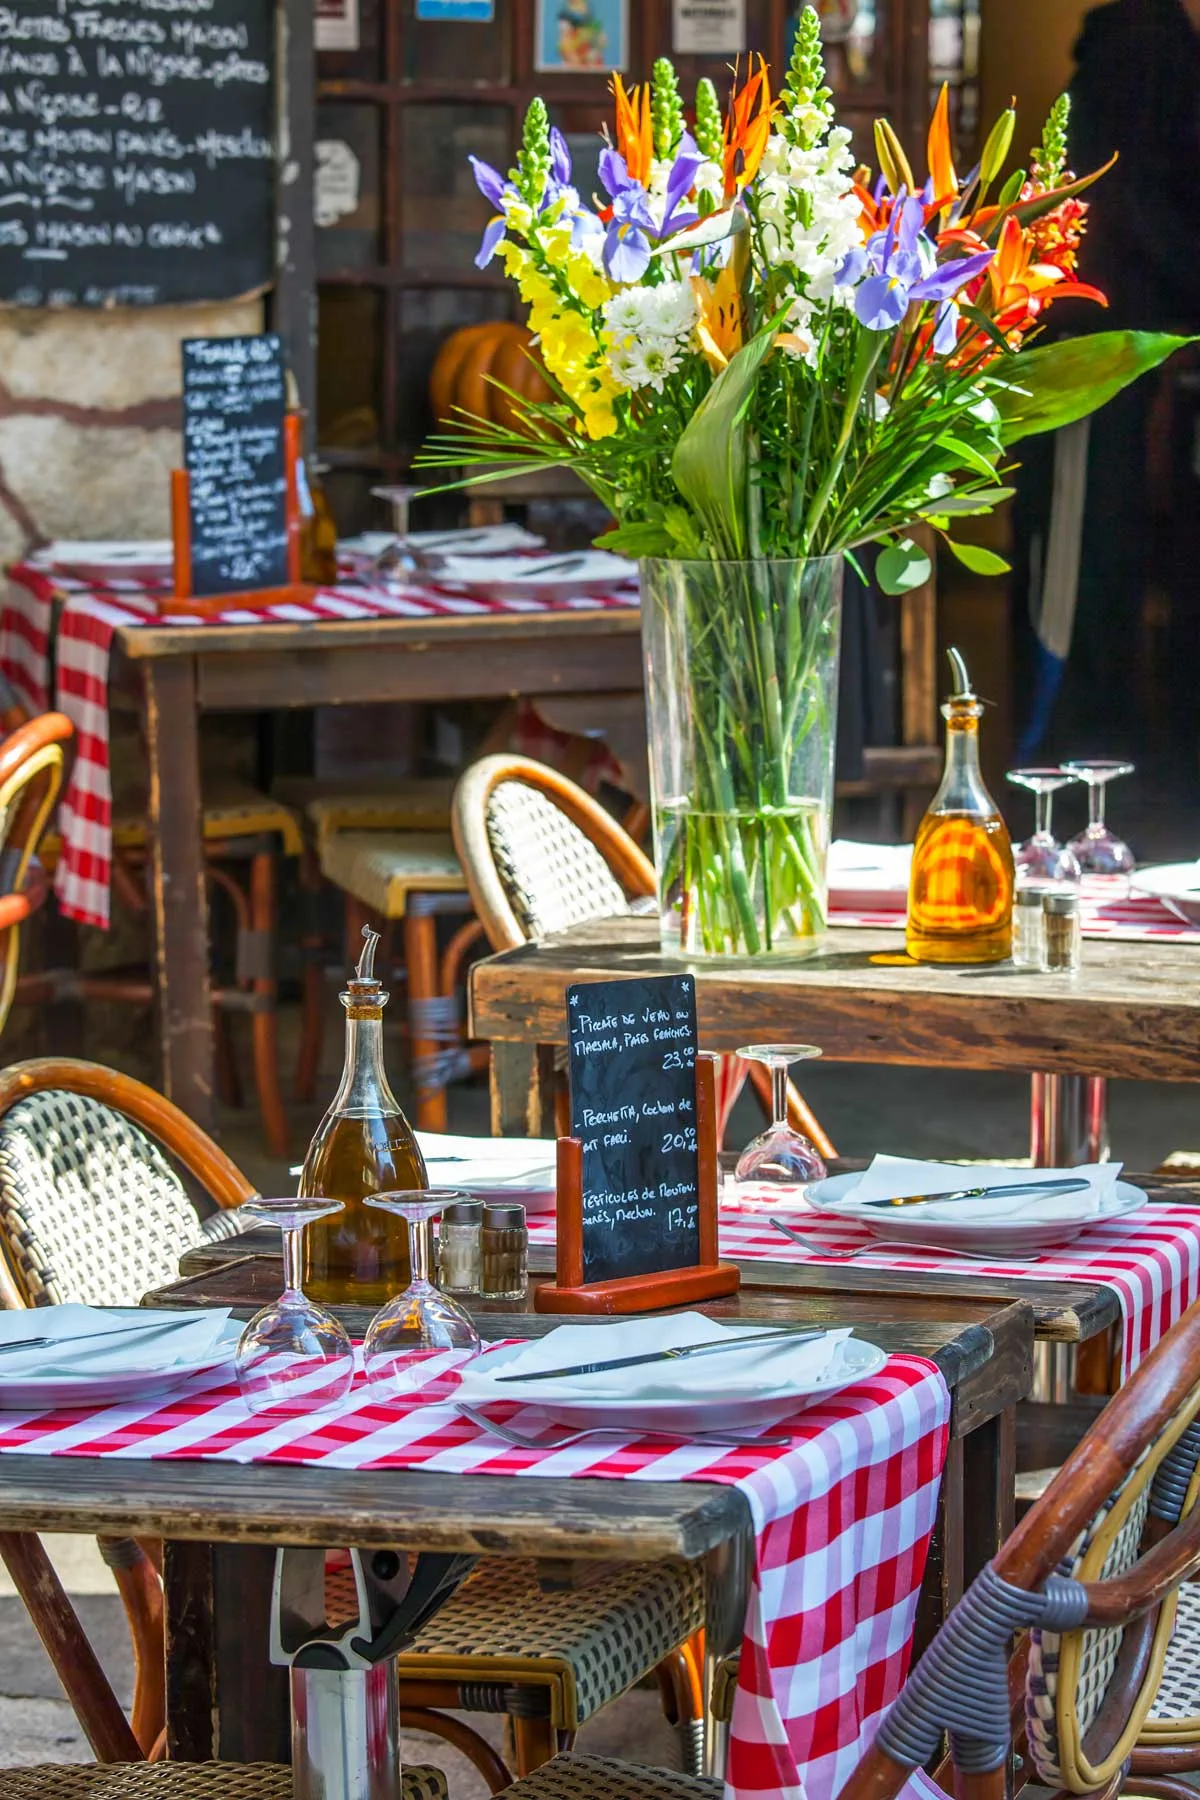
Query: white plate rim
{"points": [[1132, 1200], [118, 1383]]}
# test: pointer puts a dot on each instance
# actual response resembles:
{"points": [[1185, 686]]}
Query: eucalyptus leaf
{"points": [[976, 558], [902, 567], [710, 464], [1056, 384]]}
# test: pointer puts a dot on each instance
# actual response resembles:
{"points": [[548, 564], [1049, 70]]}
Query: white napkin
{"points": [[756, 1370], [512, 1166], [108, 550], [185, 1338], [892, 1176], [869, 877], [580, 568], [479, 540]]}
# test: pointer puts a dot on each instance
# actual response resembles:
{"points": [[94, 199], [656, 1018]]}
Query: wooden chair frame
{"points": [[31, 772], [134, 1566], [630, 866], [1147, 1408]]}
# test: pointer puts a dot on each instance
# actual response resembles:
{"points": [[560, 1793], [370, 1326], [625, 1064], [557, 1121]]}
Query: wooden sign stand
{"points": [[708, 1279], [181, 599]]}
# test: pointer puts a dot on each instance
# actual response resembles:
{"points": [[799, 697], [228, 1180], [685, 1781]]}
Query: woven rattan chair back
{"points": [[1088, 1583], [538, 853], [31, 770], [91, 1209]]}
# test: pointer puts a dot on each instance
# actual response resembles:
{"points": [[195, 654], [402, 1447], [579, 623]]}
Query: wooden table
{"points": [[1133, 1013], [182, 671], [983, 1349]]}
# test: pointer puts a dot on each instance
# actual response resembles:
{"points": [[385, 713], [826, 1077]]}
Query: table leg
{"points": [[177, 886], [225, 1700], [726, 1591], [1068, 1120], [522, 1081], [989, 1479]]}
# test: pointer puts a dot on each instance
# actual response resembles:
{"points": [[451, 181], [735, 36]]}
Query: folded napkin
{"points": [[107, 550], [580, 568], [869, 877], [493, 1165], [183, 1339], [758, 1369], [889, 1177], [479, 540]]}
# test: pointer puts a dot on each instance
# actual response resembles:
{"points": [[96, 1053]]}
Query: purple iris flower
{"points": [[632, 230], [899, 266], [585, 226]]}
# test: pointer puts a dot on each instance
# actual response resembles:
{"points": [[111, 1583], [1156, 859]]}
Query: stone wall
{"points": [[89, 417]]}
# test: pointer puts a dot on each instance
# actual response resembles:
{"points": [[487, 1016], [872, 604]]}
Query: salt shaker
{"points": [[460, 1265], [1062, 929], [504, 1241], [1028, 936]]}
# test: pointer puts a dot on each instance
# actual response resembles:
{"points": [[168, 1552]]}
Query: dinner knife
{"points": [[710, 1347], [88, 1337], [1070, 1185]]}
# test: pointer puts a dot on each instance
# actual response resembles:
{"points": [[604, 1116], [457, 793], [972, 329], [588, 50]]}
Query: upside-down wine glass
{"points": [[293, 1356], [1042, 859], [409, 1336], [1099, 850], [780, 1154]]}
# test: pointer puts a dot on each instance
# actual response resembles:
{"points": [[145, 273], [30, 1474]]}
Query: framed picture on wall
{"points": [[581, 37]]}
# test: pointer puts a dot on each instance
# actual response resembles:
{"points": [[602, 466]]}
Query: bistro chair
{"points": [[539, 855], [181, 1781], [31, 771], [92, 1209]]}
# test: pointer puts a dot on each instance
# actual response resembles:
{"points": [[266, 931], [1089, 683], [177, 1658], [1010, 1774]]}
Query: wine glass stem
{"points": [[419, 1238], [779, 1075], [293, 1262], [1042, 820], [1096, 806]]}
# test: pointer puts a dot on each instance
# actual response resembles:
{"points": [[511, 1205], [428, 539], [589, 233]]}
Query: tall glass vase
{"points": [[741, 704]]}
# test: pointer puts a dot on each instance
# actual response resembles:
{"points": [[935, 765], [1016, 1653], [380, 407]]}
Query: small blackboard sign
{"points": [[632, 1049], [234, 401]]}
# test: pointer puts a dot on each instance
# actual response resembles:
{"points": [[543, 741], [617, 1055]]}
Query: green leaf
{"points": [[962, 452], [710, 465], [982, 500], [1059, 383], [644, 539], [902, 567], [988, 326], [976, 558]]}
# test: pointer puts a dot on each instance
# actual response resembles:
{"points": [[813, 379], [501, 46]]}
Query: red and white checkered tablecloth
{"points": [[1150, 1259], [1107, 911], [87, 619], [842, 1518]]}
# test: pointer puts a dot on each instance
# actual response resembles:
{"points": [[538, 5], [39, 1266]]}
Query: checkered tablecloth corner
{"points": [[88, 618], [842, 1519], [1107, 911]]}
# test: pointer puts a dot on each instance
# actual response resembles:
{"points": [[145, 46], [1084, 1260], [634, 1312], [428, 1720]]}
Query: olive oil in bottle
{"points": [[364, 1145], [960, 896]]}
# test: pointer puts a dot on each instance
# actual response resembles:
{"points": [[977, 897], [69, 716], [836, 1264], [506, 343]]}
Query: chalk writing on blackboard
{"points": [[234, 401], [632, 1053]]}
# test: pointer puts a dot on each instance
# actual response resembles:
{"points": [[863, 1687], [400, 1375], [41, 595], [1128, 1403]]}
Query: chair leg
{"points": [[475, 1748], [141, 1592], [229, 1082], [535, 1742], [264, 924], [421, 961], [681, 1681], [75, 1663]]}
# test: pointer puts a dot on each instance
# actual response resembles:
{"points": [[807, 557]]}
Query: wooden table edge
{"points": [[166, 637]]}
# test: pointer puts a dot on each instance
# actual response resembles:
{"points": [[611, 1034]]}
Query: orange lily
{"points": [[747, 129], [635, 129], [721, 326], [941, 161], [1021, 288]]}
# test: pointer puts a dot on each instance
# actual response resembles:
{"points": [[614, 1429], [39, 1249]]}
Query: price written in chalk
{"points": [[234, 399], [632, 1051]]}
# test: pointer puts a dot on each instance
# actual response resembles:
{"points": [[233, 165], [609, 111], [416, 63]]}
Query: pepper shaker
{"points": [[1062, 927], [504, 1242]]}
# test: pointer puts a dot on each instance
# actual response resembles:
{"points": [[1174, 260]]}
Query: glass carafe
{"points": [[364, 1145], [960, 896]]}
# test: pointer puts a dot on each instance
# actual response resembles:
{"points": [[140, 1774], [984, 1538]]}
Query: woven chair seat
{"points": [[1175, 1715], [234, 810], [382, 868], [596, 1778], [413, 803], [90, 1209], [553, 875], [179, 1781], [583, 1646]]}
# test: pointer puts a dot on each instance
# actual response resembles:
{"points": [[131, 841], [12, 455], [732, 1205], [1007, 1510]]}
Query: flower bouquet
{"points": [[764, 359]]}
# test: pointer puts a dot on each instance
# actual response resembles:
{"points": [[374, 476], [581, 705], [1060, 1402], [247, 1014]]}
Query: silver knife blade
{"points": [[1069, 1185], [796, 1334]]}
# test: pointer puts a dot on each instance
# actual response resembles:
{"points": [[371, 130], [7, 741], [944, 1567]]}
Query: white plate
{"points": [[30, 1392], [899, 1225], [1177, 885], [857, 1361]]}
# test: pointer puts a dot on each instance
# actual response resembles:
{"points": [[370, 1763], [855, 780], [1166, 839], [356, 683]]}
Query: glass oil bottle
{"points": [[960, 897], [364, 1145]]}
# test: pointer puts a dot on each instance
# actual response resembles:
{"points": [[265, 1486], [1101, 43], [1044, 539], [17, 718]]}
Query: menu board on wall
{"points": [[137, 157], [234, 400]]}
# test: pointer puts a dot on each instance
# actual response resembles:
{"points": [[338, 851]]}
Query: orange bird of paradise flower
{"points": [[635, 130], [747, 129]]}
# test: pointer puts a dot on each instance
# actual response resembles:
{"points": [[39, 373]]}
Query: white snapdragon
{"points": [[647, 332]]}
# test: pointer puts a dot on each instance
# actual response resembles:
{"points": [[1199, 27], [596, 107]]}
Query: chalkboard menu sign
{"points": [[234, 401], [632, 1049], [137, 160]]}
